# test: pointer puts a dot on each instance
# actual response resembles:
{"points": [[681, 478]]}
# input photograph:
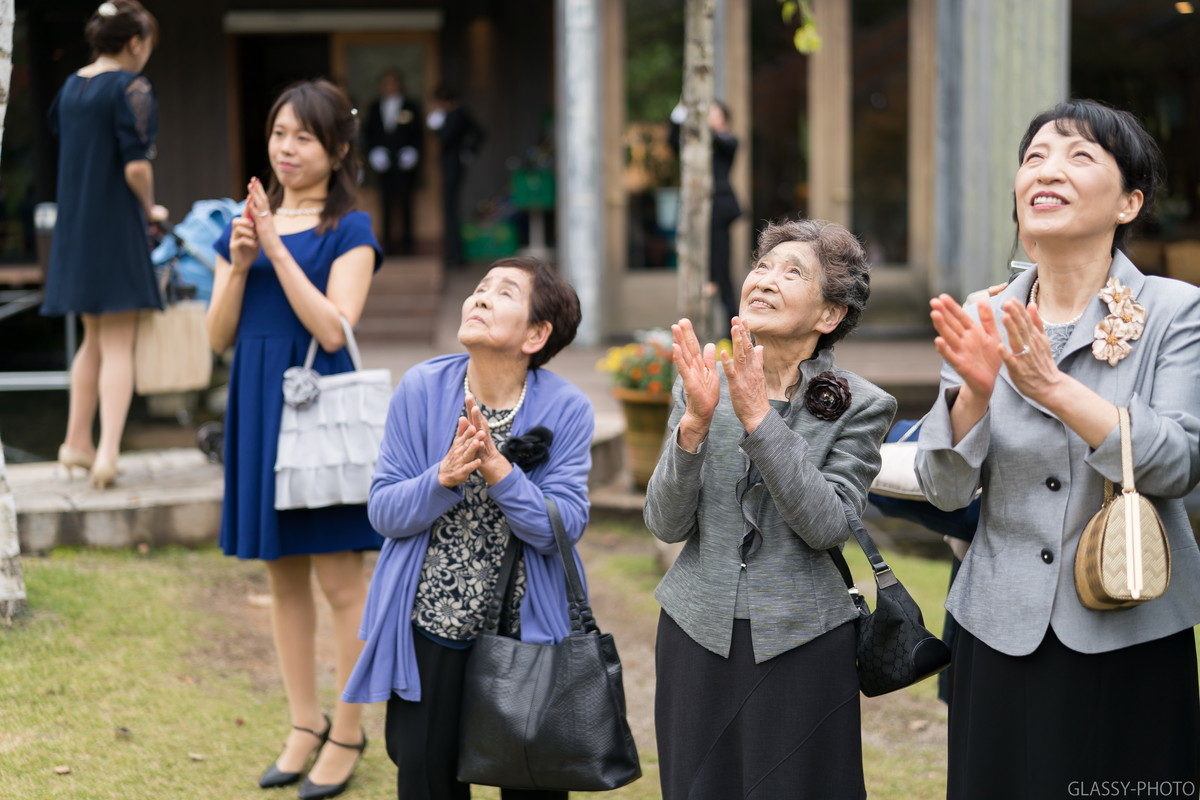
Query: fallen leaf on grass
{"points": [[195, 756], [62, 769], [918, 725], [122, 733], [239, 722], [259, 600]]}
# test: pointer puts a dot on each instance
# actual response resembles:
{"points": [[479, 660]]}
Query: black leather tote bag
{"points": [[546, 716], [894, 647]]}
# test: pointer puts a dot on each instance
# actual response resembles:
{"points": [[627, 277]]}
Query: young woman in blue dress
{"points": [[296, 261], [105, 120]]}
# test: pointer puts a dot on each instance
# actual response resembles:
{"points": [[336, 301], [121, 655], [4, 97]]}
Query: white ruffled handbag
{"points": [[330, 432]]}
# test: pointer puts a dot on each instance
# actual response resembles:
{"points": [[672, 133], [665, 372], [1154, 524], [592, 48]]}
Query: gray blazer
{"points": [[808, 467], [1042, 483]]}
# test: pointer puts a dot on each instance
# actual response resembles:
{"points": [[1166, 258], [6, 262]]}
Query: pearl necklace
{"points": [[1033, 298], [507, 418], [297, 212]]}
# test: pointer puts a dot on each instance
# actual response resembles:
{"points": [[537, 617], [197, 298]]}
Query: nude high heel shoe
{"points": [[70, 458], [104, 473]]}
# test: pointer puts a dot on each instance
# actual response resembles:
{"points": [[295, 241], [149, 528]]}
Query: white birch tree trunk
{"points": [[695, 157], [12, 580]]}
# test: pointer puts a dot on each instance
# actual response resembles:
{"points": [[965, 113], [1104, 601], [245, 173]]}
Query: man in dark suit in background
{"points": [[393, 140], [460, 137]]}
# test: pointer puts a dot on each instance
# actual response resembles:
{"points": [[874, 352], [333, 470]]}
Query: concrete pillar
{"points": [[581, 240], [1000, 62]]}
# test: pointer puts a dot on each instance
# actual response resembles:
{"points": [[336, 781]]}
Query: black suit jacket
{"points": [[408, 132]]}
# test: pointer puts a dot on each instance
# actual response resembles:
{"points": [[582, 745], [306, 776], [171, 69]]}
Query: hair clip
{"points": [[108, 10]]}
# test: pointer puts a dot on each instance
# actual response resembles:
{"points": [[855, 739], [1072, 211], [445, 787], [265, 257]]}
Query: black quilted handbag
{"points": [[546, 716], [894, 647]]}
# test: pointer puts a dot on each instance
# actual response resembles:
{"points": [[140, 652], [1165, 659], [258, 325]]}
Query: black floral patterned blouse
{"points": [[466, 545]]}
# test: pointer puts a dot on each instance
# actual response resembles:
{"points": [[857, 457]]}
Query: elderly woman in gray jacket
{"points": [[1049, 698], [757, 689]]}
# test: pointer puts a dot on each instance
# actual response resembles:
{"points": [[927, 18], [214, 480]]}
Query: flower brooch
{"points": [[827, 396], [1124, 324]]}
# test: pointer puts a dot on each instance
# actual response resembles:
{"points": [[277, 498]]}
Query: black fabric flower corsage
{"points": [[529, 449], [827, 396]]}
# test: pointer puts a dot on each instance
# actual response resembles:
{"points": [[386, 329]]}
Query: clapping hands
{"points": [[697, 369]]}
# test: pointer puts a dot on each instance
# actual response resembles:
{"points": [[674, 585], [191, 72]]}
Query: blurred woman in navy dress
{"points": [[105, 119], [297, 260]]}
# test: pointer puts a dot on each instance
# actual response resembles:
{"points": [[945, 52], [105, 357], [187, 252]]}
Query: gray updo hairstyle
{"points": [[845, 273]]}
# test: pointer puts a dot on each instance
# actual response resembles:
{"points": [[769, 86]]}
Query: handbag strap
{"points": [[505, 579], [884, 576], [351, 346], [580, 611], [1127, 485]]}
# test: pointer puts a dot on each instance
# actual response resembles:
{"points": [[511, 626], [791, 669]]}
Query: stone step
{"points": [[170, 496], [161, 497]]}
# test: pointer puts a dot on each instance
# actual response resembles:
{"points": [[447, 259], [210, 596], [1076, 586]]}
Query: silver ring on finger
{"points": [[1024, 351]]}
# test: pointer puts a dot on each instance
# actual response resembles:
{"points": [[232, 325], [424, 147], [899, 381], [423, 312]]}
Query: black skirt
{"points": [[1061, 724], [730, 729]]}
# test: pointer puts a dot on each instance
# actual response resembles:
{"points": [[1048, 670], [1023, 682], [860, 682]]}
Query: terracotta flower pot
{"points": [[646, 415]]}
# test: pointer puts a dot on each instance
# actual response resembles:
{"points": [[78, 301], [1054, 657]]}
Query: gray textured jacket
{"points": [[809, 467], [1042, 483]]}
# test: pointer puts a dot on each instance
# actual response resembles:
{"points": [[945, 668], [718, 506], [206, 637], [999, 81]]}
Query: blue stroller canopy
{"points": [[190, 244]]}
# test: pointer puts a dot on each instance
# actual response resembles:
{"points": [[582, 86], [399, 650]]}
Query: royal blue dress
{"points": [[271, 338], [100, 260]]}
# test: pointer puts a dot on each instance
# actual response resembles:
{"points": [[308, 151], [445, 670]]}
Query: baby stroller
{"points": [[185, 260]]}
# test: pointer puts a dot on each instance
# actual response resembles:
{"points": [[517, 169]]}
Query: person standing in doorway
{"points": [[460, 137], [105, 117], [393, 138]]}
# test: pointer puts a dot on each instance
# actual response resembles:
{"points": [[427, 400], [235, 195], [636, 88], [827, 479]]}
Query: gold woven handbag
{"points": [[1124, 557]]}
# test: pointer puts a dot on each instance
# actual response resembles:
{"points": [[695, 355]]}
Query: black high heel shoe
{"points": [[275, 777], [319, 791]]}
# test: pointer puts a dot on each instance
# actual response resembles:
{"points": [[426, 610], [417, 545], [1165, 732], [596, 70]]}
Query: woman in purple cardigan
{"points": [[473, 446]]}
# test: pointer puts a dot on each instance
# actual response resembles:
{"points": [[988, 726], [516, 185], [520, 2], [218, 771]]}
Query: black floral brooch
{"points": [[827, 396], [529, 449]]}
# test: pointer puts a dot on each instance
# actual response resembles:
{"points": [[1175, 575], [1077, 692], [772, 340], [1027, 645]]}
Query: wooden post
{"points": [[695, 205]]}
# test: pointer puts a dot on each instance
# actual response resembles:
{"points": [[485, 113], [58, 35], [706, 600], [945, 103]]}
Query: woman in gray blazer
{"points": [[1050, 699], [757, 690]]}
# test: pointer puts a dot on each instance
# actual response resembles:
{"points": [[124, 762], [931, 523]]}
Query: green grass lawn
{"points": [[153, 676]]}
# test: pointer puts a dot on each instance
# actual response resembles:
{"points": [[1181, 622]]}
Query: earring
{"points": [[1121, 217]]}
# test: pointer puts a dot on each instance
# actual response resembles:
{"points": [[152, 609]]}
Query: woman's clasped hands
{"points": [[473, 449], [254, 229]]}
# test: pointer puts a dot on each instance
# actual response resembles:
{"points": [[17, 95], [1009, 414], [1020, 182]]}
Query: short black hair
{"points": [[1121, 134], [552, 300]]}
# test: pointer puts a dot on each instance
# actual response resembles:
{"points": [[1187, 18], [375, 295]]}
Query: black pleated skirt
{"points": [[730, 729], [1061, 724]]}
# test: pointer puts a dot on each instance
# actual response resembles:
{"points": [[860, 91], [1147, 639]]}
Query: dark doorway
{"points": [[266, 65]]}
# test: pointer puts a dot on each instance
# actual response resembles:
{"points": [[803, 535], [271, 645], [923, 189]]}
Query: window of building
{"points": [[779, 108], [653, 81], [1141, 57], [880, 111]]}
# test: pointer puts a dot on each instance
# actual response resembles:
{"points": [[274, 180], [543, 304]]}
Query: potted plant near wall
{"points": [[642, 375]]}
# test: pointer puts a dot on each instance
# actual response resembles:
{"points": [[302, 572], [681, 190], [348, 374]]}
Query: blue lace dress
{"points": [[100, 260]]}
